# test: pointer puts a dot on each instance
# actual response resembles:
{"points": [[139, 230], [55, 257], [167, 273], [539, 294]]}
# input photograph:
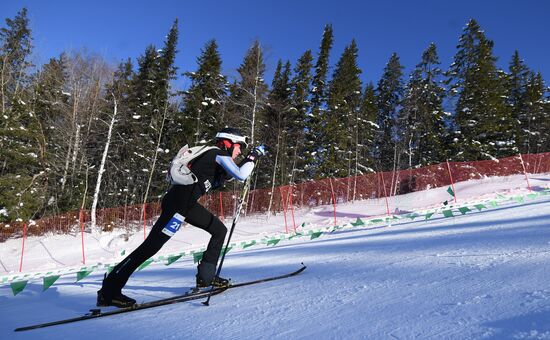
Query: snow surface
{"points": [[484, 275]]}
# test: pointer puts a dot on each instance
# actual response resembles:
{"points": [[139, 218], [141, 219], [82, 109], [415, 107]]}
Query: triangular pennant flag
{"points": [[450, 191], [224, 251], [295, 235], [519, 199], [463, 210], [145, 264], [315, 235], [197, 256], [49, 281], [412, 216], [273, 242], [17, 287], [448, 213], [82, 274], [494, 204], [480, 207], [246, 245], [429, 215], [533, 195], [173, 258], [358, 222]]}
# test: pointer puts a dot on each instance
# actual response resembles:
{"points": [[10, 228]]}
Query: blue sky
{"points": [[286, 28]]}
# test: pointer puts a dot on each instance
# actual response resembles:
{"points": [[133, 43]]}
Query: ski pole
{"points": [[242, 199]]}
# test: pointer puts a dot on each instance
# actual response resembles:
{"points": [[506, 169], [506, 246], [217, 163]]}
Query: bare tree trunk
{"points": [[197, 133], [356, 164], [102, 165], [273, 179], [3, 83], [155, 157], [255, 106]]}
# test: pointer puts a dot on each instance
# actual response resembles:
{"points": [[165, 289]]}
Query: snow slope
{"points": [[483, 275], [54, 252]]}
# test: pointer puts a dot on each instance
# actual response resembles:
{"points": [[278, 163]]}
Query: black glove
{"points": [[256, 153]]}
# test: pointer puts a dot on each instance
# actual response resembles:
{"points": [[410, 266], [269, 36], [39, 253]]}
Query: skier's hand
{"points": [[257, 152]]}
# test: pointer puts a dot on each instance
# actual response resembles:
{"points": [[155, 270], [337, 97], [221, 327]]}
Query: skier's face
{"points": [[236, 151]]}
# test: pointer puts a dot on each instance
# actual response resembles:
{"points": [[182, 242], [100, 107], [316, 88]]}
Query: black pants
{"points": [[181, 200]]}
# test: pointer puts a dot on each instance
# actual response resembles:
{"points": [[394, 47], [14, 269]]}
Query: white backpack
{"points": [[179, 171]]}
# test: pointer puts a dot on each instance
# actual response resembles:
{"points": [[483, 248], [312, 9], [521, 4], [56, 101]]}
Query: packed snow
{"points": [[484, 275]]}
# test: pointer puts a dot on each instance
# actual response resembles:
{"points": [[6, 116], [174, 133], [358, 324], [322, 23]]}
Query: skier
{"points": [[210, 170]]}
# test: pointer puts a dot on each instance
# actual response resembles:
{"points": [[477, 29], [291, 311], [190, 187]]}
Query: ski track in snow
{"points": [[483, 275]]}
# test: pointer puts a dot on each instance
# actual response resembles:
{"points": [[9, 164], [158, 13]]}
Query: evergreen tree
{"points": [[277, 123], [516, 87], [299, 115], [203, 101], [167, 71], [50, 103], [21, 138], [367, 130], [421, 121], [318, 103], [162, 113], [248, 95], [534, 117], [15, 50], [340, 129], [389, 95], [484, 122]]}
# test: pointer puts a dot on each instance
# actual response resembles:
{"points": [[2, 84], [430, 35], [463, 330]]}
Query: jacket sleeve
{"points": [[240, 173]]}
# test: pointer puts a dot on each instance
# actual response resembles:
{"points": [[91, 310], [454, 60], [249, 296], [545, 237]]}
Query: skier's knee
{"points": [[217, 228]]}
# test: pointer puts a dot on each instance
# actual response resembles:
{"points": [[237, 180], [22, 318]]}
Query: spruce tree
{"points": [[203, 101], [340, 129], [50, 103], [21, 134], [318, 104], [484, 123], [248, 95], [277, 123], [299, 116], [534, 119], [389, 94], [367, 131], [421, 119]]}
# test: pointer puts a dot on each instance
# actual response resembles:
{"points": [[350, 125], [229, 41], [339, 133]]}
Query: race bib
{"points": [[173, 225]]}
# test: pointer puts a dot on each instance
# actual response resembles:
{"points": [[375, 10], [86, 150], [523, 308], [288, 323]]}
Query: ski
{"points": [[98, 313]]}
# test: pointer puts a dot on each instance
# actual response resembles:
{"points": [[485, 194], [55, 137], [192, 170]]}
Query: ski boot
{"points": [[217, 282], [206, 276], [118, 300]]}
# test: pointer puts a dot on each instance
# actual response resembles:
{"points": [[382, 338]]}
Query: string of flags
{"points": [[19, 282]]}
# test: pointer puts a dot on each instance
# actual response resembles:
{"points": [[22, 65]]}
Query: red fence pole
{"points": [[144, 220], [221, 207], [284, 207], [23, 247], [385, 193], [525, 172], [81, 217], [452, 182], [333, 200], [292, 209]]}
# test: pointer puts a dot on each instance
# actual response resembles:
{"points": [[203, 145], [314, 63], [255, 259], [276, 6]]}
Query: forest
{"points": [[80, 133]]}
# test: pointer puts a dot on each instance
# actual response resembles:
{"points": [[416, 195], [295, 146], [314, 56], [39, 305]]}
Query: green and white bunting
{"points": [[18, 282]]}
